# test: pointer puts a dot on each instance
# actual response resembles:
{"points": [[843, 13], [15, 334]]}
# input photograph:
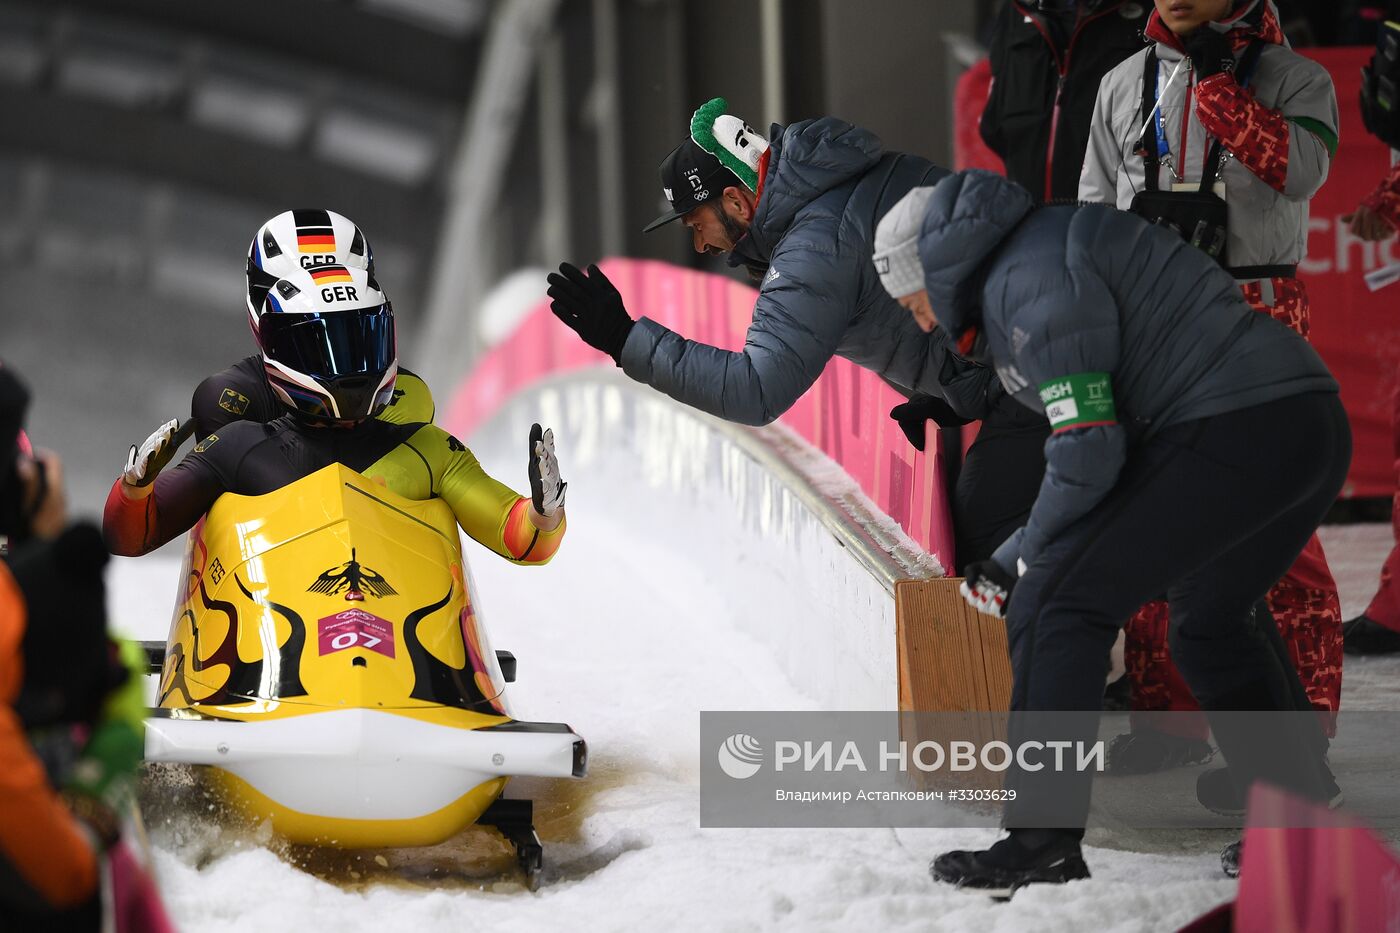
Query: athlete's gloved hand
{"points": [[144, 462], [987, 587], [1209, 50], [591, 306], [546, 488], [914, 415]]}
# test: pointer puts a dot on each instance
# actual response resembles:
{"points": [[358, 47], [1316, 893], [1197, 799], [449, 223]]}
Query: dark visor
{"points": [[333, 344]]}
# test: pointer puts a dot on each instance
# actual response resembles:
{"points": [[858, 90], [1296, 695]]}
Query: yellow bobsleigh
{"points": [[325, 659]]}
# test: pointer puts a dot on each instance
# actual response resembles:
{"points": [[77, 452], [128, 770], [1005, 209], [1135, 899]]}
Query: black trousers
{"points": [[999, 480], [1211, 512]]}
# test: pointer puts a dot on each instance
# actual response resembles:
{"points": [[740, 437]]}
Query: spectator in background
{"points": [[800, 214], [70, 704], [1048, 57], [1277, 130]]}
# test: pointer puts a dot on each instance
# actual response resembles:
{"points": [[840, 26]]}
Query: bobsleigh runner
{"points": [[325, 662]]}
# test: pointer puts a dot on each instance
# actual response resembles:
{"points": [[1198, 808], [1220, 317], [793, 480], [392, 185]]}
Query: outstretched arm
{"points": [[803, 310], [491, 513]]}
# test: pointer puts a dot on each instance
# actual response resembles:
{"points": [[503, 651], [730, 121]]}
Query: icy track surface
{"points": [[628, 648]]}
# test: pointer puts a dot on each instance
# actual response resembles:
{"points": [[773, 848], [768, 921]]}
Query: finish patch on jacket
{"points": [[1079, 401]]}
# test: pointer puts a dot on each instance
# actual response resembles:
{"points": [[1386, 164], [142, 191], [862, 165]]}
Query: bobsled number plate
{"points": [[355, 628]]}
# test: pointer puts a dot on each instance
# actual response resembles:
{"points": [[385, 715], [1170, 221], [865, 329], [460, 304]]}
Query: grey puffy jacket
{"points": [[1062, 291], [827, 186]]}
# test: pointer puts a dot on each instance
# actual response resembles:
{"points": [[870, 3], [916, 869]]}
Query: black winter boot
{"points": [[1146, 751], [1216, 791], [1024, 857], [1362, 635]]}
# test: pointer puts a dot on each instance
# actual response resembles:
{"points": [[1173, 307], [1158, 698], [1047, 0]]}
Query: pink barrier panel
{"points": [[1331, 877], [845, 414]]}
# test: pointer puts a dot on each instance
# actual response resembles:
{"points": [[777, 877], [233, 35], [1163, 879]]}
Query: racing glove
{"points": [[590, 304], [913, 417], [1210, 52], [987, 587], [546, 488], [144, 462]]}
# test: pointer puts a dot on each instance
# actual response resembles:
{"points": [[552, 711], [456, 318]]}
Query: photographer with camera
{"points": [[70, 699], [1220, 132]]}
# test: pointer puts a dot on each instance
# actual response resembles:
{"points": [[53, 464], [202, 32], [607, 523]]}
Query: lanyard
{"points": [[1163, 148], [1155, 151]]}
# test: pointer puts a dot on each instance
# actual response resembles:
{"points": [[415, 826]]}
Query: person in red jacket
{"points": [[1377, 630]]}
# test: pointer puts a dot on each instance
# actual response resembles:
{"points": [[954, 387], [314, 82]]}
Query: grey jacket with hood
{"points": [[1062, 291], [827, 186]]}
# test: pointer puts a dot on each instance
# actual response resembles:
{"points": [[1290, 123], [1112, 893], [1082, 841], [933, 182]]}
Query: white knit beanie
{"points": [[897, 244]]}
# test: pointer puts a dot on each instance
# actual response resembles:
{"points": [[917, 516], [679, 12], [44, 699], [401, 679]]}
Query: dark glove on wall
{"points": [[914, 415], [1210, 52], [592, 307]]}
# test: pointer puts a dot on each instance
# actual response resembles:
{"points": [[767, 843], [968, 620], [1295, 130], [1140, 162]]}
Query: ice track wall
{"points": [[807, 563]]}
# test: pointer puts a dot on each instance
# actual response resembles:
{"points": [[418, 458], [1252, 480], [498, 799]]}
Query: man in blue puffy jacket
{"points": [[1171, 405], [800, 213]]}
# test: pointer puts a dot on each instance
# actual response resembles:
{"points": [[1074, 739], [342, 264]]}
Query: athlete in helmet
{"points": [[326, 336], [293, 241]]}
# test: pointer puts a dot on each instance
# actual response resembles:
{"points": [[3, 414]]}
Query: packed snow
{"points": [[628, 642]]}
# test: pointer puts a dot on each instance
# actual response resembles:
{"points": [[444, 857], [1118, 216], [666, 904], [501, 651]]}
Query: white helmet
{"points": [[327, 340], [302, 239]]}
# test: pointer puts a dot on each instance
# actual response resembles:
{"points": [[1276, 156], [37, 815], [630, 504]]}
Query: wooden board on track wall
{"points": [[951, 657]]}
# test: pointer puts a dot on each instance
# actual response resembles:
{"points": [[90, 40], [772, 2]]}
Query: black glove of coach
{"points": [[914, 415], [1210, 52], [591, 306]]}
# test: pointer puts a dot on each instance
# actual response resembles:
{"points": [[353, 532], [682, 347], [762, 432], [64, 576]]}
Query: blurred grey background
{"points": [[143, 142]]}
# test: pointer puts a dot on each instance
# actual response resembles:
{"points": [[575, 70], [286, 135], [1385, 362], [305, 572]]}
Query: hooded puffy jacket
{"points": [[1080, 291], [1279, 134], [827, 185], [1042, 94]]}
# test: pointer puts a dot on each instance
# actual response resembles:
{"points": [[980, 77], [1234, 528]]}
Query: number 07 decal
{"points": [[355, 628]]}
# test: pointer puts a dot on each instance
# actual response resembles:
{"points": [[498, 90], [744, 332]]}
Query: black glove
{"points": [[987, 587], [591, 306], [914, 415], [1210, 52]]}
